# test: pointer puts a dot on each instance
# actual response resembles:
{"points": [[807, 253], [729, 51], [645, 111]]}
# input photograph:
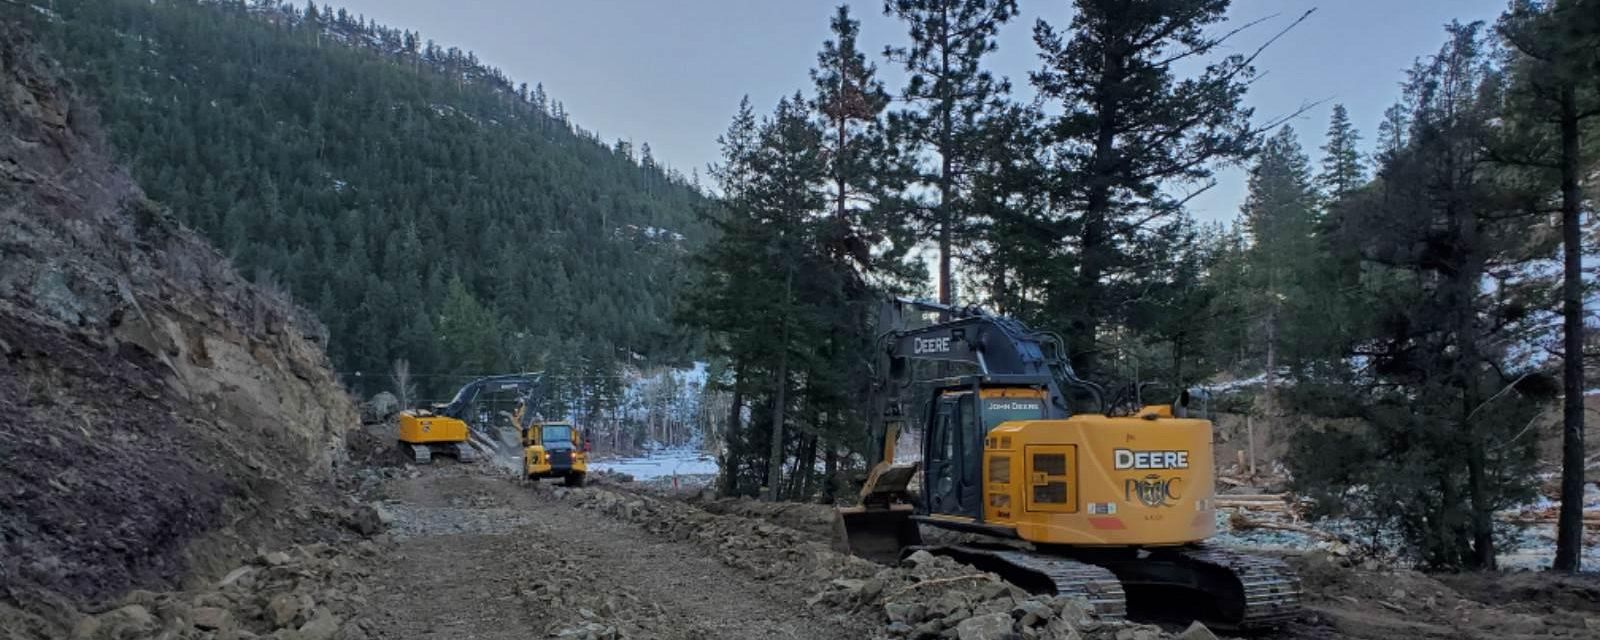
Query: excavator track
{"points": [[1227, 589], [1270, 589], [1046, 574], [420, 453]]}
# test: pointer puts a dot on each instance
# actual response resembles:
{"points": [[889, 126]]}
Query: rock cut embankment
{"points": [[162, 416]]}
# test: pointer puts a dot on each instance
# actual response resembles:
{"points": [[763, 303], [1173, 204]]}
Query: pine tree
{"points": [[1280, 216], [469, 332], [1428, 368], [1556, 59], [1343, 167], [849, 104], [1128, 128], [953, 97]]}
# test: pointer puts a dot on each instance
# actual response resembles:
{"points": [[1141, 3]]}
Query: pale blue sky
{"points": [[671, 73]]}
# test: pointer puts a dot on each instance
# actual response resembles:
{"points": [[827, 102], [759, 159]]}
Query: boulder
{"points": [[380, 409], [131, 621], [1032, 612], [994, 626], [322, 626], [1139, 633], [917, 558], [365, 520], [275, 559], [907, 612], [1197, 631], [284, 609], [212, 618], [234, 576]]}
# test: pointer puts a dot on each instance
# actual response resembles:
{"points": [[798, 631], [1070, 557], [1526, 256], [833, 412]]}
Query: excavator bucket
{"points": [[876, 534], [882, 526]]}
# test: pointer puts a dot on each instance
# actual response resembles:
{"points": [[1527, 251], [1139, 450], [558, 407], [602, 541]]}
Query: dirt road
{"points": [[480, 556]]}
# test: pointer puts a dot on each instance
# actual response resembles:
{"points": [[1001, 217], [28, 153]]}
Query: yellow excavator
{"points": [[1113, 508], [551, 449], [445, 429]]}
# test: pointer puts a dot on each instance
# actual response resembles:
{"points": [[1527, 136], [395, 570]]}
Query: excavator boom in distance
{"points": [[446, 429]]}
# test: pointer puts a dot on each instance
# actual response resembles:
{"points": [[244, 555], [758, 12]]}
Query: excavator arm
{"points": [[467, 396]]}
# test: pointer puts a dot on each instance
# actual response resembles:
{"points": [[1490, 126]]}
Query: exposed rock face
{"points": [[153, 399]]}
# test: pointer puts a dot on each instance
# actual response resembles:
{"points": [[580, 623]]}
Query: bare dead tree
{"points": [[405, 388]]}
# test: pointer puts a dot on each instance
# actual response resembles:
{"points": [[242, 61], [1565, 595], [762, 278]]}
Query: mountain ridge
{"points": [[389, 184]]}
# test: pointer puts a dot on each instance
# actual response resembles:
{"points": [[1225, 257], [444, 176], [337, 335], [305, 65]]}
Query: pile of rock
{"points": [[380, 409], [607, 476], [306, 593], [932, 597], [925, 597]]}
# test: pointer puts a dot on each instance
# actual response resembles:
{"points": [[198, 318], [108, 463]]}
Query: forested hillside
{"points": [[421, 203]]}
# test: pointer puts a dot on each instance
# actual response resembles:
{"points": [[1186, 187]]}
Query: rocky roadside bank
{"points": [[928, 597], [310, 592]]}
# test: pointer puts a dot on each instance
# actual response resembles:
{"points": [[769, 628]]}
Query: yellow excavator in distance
{"points": [[1113, 508], [445, 429], [552, 449]]}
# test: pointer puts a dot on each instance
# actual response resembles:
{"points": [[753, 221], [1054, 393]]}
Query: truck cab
{"points": [[554, 450]]}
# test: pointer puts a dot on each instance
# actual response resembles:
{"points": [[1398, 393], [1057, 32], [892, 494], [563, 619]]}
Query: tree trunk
{"points": [[1483, 554], [775, 458], [805, 461], [1178, 345], [1270, 397], [1447, 550], [830, 470], [1097, 205], [838, 170], [947, 290], [1569, 523], [730, 435], [1087, 322]]}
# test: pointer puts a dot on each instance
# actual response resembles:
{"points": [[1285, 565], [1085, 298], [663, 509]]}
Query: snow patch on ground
{"points": [[661, 463], [1533, 544]]}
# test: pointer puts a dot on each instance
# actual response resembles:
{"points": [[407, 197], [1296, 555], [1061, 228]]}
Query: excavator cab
{"points": [[953, 447]]}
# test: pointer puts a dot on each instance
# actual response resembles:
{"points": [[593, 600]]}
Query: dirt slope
{"points": [[162, 415]]}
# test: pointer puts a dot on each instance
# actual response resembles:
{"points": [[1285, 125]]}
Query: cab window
{"points": [[557, 436]]}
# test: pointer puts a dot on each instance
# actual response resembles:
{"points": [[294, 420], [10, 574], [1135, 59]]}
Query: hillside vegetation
{"points": [[420, 203]]}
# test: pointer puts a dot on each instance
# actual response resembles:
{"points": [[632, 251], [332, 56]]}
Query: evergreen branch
{"points": [[1283, 120], [1245, 63], [1213, 43]]}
